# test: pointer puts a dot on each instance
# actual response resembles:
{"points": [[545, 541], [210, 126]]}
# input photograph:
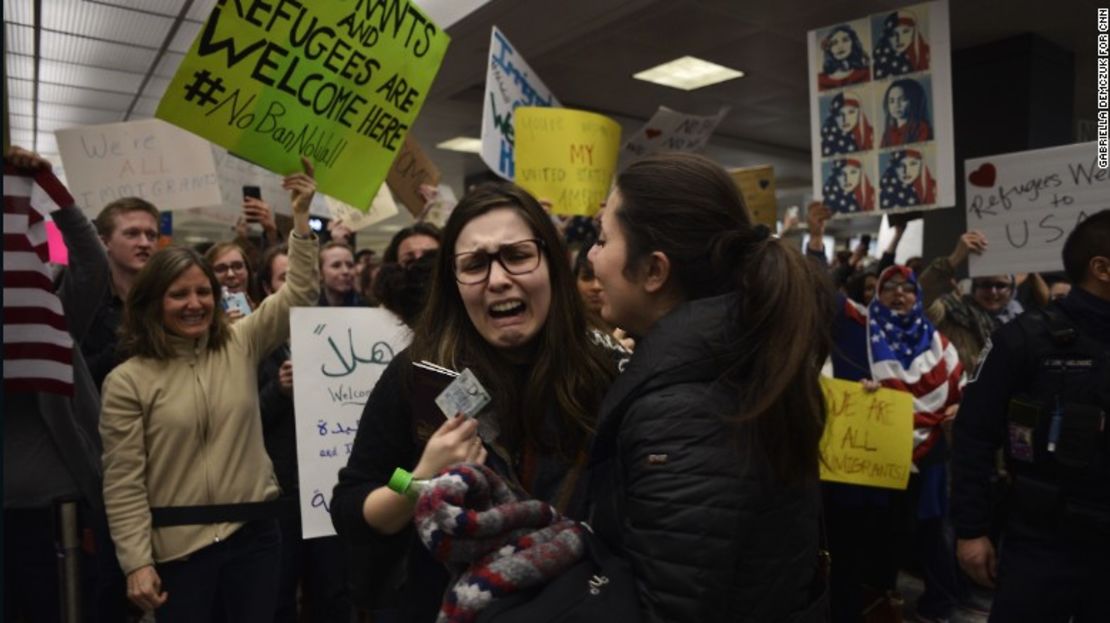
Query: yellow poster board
{"points": [[757, 186], [868, 436], [340, 82], [565, 156]]}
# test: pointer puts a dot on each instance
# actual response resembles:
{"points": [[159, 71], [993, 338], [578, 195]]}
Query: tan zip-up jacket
{"points": [[187, 431]]}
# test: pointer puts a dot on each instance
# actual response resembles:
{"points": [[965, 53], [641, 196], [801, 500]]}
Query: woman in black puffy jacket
{"points": [[705, 467]]}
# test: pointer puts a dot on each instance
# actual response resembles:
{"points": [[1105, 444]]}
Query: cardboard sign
{"points": [[149, 159], [567, 157], [1027, 203], [868, 437], [340, 82], [510, 83], [410, 170], [880, 92], [382, 208], [338, 356], [757, 186], [670, 130]]}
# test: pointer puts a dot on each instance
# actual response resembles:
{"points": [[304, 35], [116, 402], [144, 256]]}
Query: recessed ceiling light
{"points": [[688, 73], [464, 144]]}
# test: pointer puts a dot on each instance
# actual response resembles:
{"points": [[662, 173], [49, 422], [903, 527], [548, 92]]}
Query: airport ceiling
{"points": [[82, 62]]}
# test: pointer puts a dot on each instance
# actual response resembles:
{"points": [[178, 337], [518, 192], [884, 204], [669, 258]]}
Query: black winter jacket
{"points": [[709, 536]]}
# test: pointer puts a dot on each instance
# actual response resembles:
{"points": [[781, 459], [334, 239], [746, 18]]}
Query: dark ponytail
{"points": [[688, 208]]}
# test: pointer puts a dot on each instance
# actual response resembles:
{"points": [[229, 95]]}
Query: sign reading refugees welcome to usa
{"points": [[338, 81]]}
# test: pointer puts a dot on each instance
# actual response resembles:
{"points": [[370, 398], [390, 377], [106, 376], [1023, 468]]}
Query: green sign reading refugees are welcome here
{"points": [[340, 81]]}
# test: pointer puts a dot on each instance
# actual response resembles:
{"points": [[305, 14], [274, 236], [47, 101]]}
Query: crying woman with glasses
{"points": [[503, 304]]}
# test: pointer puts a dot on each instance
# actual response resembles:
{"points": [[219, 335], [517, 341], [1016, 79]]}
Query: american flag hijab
{"points": [[834, 140], [907, 353], [38, 348], [859, 199], [888, 61], [893, 193]]}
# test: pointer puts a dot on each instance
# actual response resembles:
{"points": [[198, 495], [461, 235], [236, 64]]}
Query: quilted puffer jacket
{"points": [[707, 532]]}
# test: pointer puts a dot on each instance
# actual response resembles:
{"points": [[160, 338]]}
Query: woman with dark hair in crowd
{"points": [[411, 242], [845, 60], [503, 304], [907, 114], [403, 290], [186, 476], [704, 473]]}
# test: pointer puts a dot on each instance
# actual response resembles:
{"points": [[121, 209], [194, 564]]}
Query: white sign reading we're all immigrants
{"points": [[1027, 203], [510, 84], [338, 356]]}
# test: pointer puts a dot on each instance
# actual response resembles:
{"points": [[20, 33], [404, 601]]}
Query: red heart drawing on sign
{"points": [[652, 132], [983, 176]]}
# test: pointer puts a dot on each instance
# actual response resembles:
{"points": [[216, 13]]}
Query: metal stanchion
{"points": [[69, 561]]}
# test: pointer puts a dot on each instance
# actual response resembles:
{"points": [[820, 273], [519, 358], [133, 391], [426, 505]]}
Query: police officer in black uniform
{"points": [[1042, 394]]}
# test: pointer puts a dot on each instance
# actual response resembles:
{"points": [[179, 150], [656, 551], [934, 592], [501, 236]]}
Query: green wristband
{"points": [[400, 481]]}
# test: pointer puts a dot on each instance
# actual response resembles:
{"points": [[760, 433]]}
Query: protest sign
{"points": [[670, 130], [411, 170], [567, 157], [338, 356], [510, 84], [382, 208], [880, 89], [339, 82], [1027, 203], [868, 437], [149, 159], [757, 186]]}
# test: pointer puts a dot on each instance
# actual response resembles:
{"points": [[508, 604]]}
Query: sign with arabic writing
{"points": [[338, 356]]}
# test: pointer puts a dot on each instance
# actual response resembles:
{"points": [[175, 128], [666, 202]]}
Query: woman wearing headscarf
{"points": [[847, 189], [901, 48], [845, 60], [846, 128], [968, 319], [907, 181], [907, 114], [891, 343]]}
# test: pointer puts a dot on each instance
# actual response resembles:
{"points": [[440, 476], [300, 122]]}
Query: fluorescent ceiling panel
{"points": [[463, 144], [85, 51], [78, 17], [688, 73], [92, 77], [19, 39]]}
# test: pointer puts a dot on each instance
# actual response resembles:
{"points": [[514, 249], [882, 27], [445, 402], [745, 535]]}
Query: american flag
{"points": [[38, 349], [889, 62], [908, 354], [893, 193]]}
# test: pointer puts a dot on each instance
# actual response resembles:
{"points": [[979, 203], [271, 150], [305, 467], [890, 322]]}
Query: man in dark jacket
{"points": [[128, 227], [1043, 394]]}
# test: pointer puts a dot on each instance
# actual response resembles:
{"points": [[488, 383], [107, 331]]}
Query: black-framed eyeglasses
{"points": [[517, 258], [904, 287], [1000, 286], [235, 266]]}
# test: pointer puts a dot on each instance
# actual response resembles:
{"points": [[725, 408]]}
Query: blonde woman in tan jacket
{"points": [[187, 483]]}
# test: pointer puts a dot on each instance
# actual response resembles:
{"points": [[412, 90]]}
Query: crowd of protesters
{"points": [[657, 377]]}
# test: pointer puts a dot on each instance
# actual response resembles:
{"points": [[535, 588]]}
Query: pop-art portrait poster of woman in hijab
{"points": [[901, 43], [848, 188], [906, 116], [847, 126], [907, 179], [843, 55]]}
